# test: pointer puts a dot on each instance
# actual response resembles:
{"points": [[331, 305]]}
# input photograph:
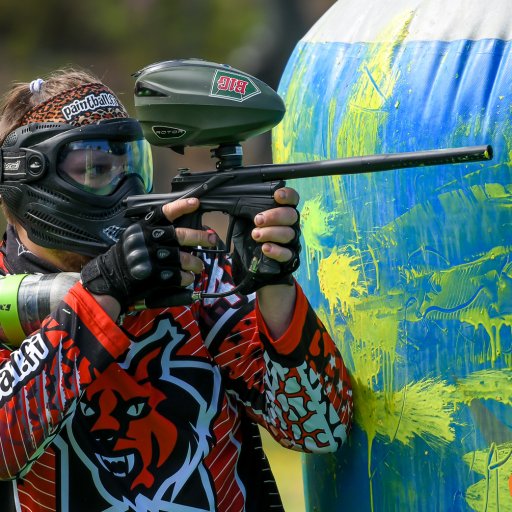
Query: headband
{"points": [[85, 104]]}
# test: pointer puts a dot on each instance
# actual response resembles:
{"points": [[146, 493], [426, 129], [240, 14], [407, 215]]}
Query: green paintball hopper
{"points": [[193, 102]]}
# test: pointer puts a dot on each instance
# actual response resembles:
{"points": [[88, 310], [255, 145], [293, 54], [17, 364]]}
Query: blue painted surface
{"points": [[431, 248]]}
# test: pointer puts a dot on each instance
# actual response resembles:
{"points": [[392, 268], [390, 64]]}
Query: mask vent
{"points": [[45, 195], [11, 195], [10, 140], [48, 228]]}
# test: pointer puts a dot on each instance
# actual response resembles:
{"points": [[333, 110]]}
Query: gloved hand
{"points": [[269, 253], [147, 259]]}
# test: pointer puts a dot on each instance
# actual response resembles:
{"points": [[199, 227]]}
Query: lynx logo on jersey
{"points": [[128, 426]]}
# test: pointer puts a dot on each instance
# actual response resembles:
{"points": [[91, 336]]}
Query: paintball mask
{"points": [[65, 184]]}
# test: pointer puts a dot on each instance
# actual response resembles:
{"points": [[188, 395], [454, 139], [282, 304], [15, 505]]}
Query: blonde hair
{"points": [[20, 98]]}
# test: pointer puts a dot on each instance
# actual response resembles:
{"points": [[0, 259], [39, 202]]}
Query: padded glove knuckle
{"points": [[139, 264], [146, 258]]}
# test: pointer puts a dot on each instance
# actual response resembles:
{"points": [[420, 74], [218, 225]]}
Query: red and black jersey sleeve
{"points": [[41, 380], [296, 386]]}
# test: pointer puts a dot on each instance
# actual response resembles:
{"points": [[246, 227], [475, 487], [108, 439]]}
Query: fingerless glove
{"points": [[144, 260]]}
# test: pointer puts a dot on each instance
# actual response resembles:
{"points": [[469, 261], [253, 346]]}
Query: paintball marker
{"points": [[192, 102]]}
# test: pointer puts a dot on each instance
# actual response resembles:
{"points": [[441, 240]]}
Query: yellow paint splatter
{"points": [[422, 409], [493, 491], [489, 384], [338, 276], [470, 293], [475, 125], [282, 148], [372, 92], [316, 225]]}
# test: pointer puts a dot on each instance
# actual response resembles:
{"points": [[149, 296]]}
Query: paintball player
{"points": [[111, 407]]}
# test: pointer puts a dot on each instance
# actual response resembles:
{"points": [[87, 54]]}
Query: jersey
{"points": [[159, 410]]}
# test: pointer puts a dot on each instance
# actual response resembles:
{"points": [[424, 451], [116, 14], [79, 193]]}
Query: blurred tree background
{"points": [[115, 38]]}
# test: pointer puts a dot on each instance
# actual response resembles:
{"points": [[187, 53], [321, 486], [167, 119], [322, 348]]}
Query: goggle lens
{"points": [[99, 165]]}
